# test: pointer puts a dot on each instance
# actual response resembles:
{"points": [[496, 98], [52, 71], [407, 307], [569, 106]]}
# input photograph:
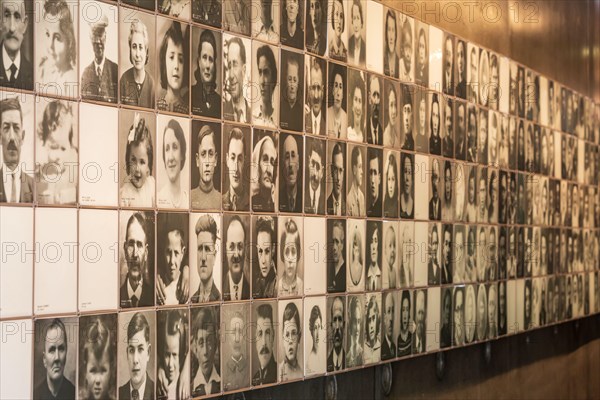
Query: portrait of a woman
{"points": [[337, 48], [405, 336], [206, 100], [356, 121], [317, 350], [390, 200], [137, 84], [355, 256], [391, 131], [391, 60], [174, 193]]}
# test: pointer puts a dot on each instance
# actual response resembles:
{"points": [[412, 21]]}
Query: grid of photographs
{"points": [[204, 197]]}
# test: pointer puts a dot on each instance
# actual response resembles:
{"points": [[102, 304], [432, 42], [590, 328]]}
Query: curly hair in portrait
{"points": [[141, 136], [138, 26], [179, 135], [54, 114], [97, 347], [59, 10], [373, 305], [178, 38]]}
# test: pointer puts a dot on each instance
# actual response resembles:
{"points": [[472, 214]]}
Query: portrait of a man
{"points": [[206, 145], [264, 271], [336, 179], [137, 285], [388, 344], [265, 371], [336, 359], [235, 105], [448, 65], [237, 15], [205, 348], [374, 190], [235, 362], [316, 26], [336, 264], [266, 26], [207, 232], [264, 174], [236, 150], [290, 188], [419, 339], [17, 45], [445, 330], [433, 264], [435, 202], [138, 351], [314, 117], [16, 186], [52, 347], [99, 79], [458, 321], [314, 192], [235, 273], [292, 93], [374, 117], [373, 271]]}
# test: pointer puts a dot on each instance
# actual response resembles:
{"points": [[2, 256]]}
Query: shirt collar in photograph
{"points": [[137, 292], [7, 177], [232, 287], [142, 388], [200, 380], [101, 65], [8, 62]]}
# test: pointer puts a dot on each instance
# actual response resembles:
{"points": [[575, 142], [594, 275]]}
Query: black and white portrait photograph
{"points": [[335, 178], [99, 48], [179, 9], [374, 182], [357, 102], [97, 356], [235, 346], [172, 348], [236, 178], [460, 71], [435, 200], [205, 350], [391, 57], [336, 30], [459, 191], [448, 51], [482, 315], [17, 44], [492, 310], [136, 232], [336, 259], [458, 316], [494, 90], [264, 342], [421, 53], [292, 23], [172, 259], [136, 364], [419, 339], [206, 67], [315, 340], [237, 66], [502, 308], [314, 191], [372, 343], [470, 313], [390, 183], [433, 253], [447, 127], [263, 179], [355, 331], [472, 132], [137, 132], [291, 340], [390, 324], [390, 111], [206, 170], [291, 257], [265, 89], [492, 196], [337, 120], [421, 118], [446, 318], [407, 254], [316, 86], [459, 126], [207, 12], [407, 189], [317, 23], [355, 177], [483, 83], [205, 259], [405, 336], [173, 168], [449, 176], [390, 276], [18, 135], [236, 257], [264, 256], [374, 110], [237, 15], [291, 169], [355, 255], [336, 331], [56, 151], [265, 20], [291, 101], [473, 73], [435, 121], [56, 50], [173, 75], [357, 21], [137, 58], [55, 358], [373, 265], [482, 141], [407, 48], [145, 4]]}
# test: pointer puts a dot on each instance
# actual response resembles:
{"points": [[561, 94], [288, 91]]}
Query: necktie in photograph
{"points": [[235, 289], [99, 72], [135, 394], [13, 194], [134, 301], [13, 73]]}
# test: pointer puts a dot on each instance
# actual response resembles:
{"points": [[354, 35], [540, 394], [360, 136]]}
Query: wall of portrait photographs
{"points": [[203, 197]]}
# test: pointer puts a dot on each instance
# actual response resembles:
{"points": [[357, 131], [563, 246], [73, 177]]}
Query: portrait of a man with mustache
{"points": [[265, 371], [336, 360], [290, 190], [15, 23], [235, 277]]}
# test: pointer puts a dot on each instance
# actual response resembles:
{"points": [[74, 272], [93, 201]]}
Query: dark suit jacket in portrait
{"points": [[27, 185], [362, 50], [388, 351], [100, 88], [330, 365], [213, 296], [291, 117], [205, 101], [211, 16], [330, 208], [336, 283], [308, 124], [374, 209], [24, 79], [320, 207], [285, 203], [435, 210], [145, 300], [461, 89], [125, 390], [227, 290], [433, 273], [267, 375], [242, 204], [378, 137], [42, 392]]}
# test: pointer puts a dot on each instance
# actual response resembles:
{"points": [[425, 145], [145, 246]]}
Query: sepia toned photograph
{"points": [[337, 119], [17, 45], [264, 90], [263, 180], [421, 38], [356, 106], [357, 46], [236, 268], [179, 9], [172, 348], [291, 101], [336, 30], [206, 170], [355, 331], [291, 170], [336, 332], [207, 12], [391, 114], [235, 348], [206, 68], [173, 89], [291, 341], [237, 67], [236, 179], [390, 184], [291, 257], [173, 173], [264, 343], [372, 344], [316, 86], [355, 197], [264, 256], [292, 23], [265, 25], [237, 15], [205, 350], [173, 271], [205, 258], [315, 317]]}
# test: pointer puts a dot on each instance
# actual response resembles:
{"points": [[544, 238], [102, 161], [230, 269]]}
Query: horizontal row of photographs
{"points": [[142, 259], [59, 152], [212, 349], [113, 54]]}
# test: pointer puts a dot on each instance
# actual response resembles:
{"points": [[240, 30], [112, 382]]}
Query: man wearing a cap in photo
{"points": [[99, 79]]}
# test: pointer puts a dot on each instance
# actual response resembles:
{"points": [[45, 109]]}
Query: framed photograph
{"points": [[470, 313], [56, 152], [207, 12], [459, 253], [291, 257], [421, 117], [421, 53], [237, 15], [205, 350], [460, 71], [335, 178], [172, 258], [136, 258], [99, 51], [390, 113], [336, 256], [336, 31], [357, 35], [419, 341], [172, 348], [18, 45], [405, 336], [355, 273], [407, 179], [263, 179], [264, 340], [391, 53], [336, 332], [236, 182], [206, 146], [390, 324], [56, 70], [355, 198], [373, 264], [374, 110], [235, 349], [374, 192], [264, 256], [448, 63], [266, 26], [173, 175], [292, 23], [458, 315], [207, 65], [236, 271], [137, 67], [291, 350], [55, 356], [236, 78], [447, 122], [473, 73], [357, 101], [494, 90], [173, 66], [355, 331], [316, 26], [316, 84], [292, 89], [390, 183], [435, 121], [435, 200], [179, 9], [337, 119], [264, 91], [483, 80], [204, 258], [315, 339], [372, 343], [291, 148], [137, 337]]}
